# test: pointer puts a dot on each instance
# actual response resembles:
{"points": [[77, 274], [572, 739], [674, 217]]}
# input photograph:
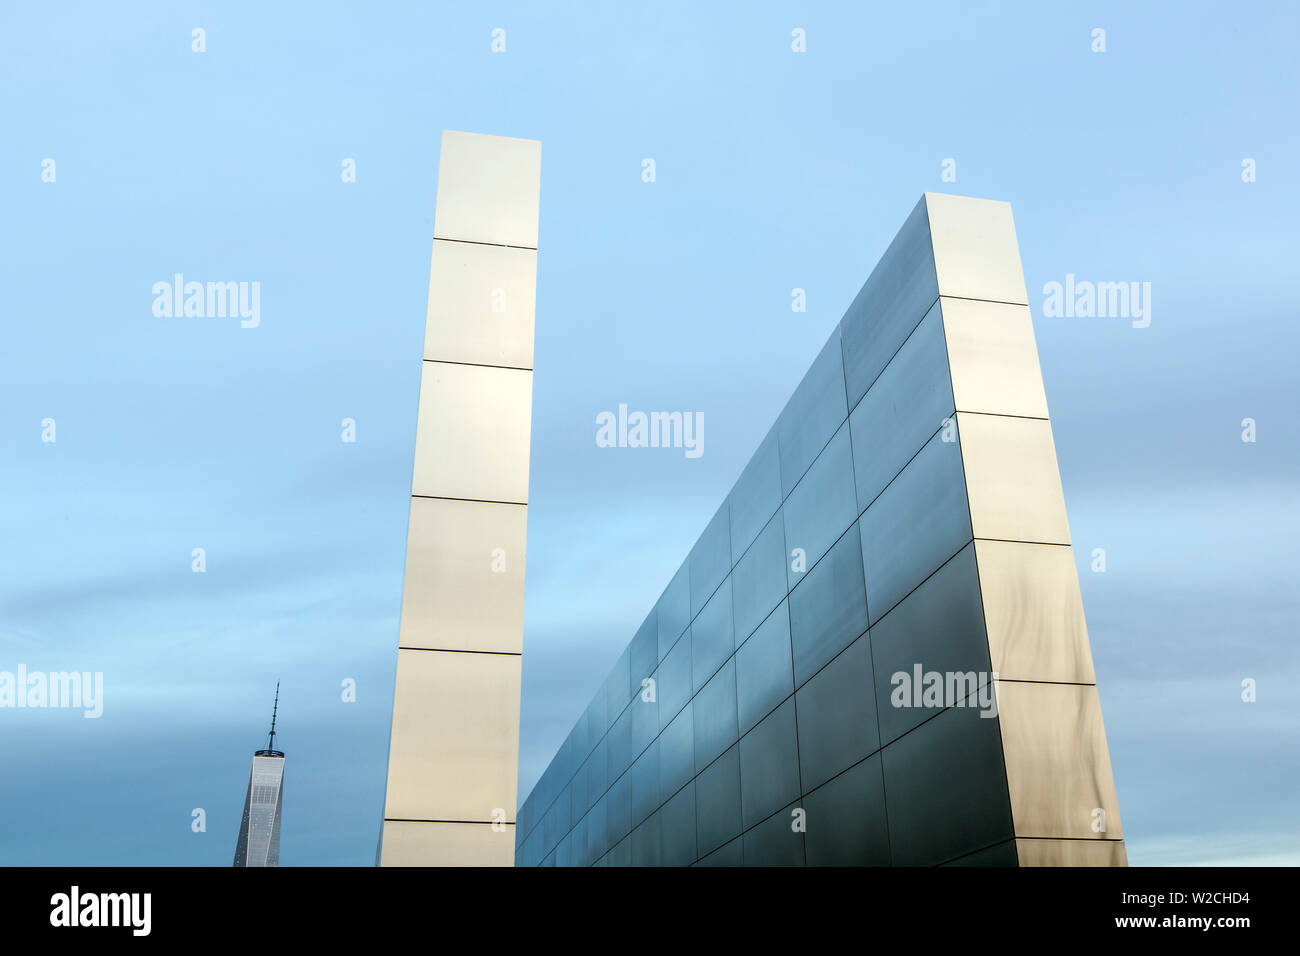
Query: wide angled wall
{"points": [[816, 683]]}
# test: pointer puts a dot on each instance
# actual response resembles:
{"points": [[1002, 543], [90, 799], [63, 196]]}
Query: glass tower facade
{"points": [[259, 832], [875, 653]]}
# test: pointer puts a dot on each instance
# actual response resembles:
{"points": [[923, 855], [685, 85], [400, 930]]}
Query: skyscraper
{"points": [[259, 832]]}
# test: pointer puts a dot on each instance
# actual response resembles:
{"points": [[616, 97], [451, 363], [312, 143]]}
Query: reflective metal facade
{"points": [[259, 831], [454, 750], [904, 515]]}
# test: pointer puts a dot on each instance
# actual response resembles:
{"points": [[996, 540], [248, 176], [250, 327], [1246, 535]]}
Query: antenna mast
{"points": [[270, 744]]}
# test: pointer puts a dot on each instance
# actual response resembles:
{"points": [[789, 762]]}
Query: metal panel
{"points": [[643, 654], [821, 507], [1058, 765], [595, 823], [901, 289], [712, 637], [472, 438], [618, 810], [836, 715], [677, 753], [454, 751], [673, 612], [617, 681], [717, 801], [464, 576], [732, 854], [917, 523], [1071, 853], [976, 255], [1002, 854], [906, 405], [645, 720], [488, 189], [828, 610], [993, 359], [1012, 479], [939, 628], [756, 495], [764, 669], [714, 717], [673, 681], [710, 559], [621, 855], [846, 819], [481, 304], [814, 413], [597, 781], [1034, 612], [758, 583], [769, 765], [619, 753], [931, 820], [677, 828], [644, 779], [775, 841], [645, 843], [408, 843]]}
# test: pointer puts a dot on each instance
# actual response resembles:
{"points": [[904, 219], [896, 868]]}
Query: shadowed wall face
{"points": [[454, 751], [876, 652]]}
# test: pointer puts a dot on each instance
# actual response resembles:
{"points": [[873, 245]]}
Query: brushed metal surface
{"points": [[1034, 612], [1011, 479], [907, 404], [993, 358], [976, 255], [1072, 853], [895, 297], [472, 436], [944, 789], [481, 304], [1058, 765], [454, 750], [488, 189], [447, 844], [464, 585], [918, 522], [929, 575], [813, 414], [454, 746]]}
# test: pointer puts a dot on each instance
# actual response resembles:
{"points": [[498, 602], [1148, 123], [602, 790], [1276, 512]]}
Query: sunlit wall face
{"points": [[454, 751]]}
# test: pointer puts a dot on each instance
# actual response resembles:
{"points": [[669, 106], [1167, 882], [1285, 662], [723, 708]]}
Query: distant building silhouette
{"points": [[259, 832]]}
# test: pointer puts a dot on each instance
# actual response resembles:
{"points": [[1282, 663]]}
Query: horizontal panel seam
{"points": [[459, 650], [1063, 683], [513, 368], [480, 242], [1032, 418], [1053, 544], [483, 501], [482, 823], [970, 298]]}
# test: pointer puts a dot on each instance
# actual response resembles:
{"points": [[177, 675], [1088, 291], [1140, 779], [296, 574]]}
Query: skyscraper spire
{"points": [[270, 744]]}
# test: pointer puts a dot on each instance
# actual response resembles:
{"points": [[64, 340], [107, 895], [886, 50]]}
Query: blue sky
{"points": [[775, 170]]}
